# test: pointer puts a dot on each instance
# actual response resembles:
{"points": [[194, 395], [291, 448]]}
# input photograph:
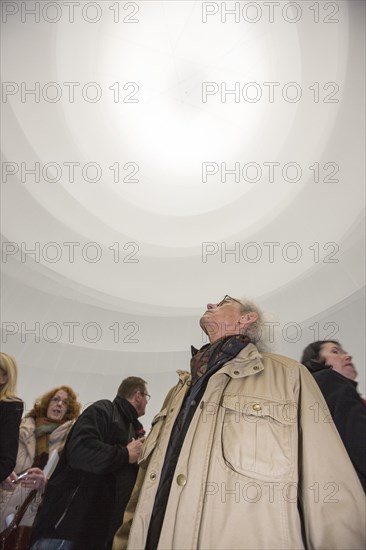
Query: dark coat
{"points": [[10, 417], [86, 496], [348, 412]]}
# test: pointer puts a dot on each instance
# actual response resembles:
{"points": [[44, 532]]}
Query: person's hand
{"points": [[8, 484], [35, 479], [134, 450]]}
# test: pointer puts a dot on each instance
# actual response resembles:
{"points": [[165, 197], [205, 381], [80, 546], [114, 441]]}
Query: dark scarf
{"points": [[130, 413], [226, 348]]}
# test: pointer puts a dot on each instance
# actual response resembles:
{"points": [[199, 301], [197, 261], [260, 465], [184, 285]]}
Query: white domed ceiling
{"points": [[157, 155]]}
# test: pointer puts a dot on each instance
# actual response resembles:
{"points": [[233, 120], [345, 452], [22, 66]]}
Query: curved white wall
{"points": [[297, 246]]}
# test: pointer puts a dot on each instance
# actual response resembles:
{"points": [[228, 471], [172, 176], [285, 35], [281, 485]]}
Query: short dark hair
{"points": [[130, 385], [312, 352]]}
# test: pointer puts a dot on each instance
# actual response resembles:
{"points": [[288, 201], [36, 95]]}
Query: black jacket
{"points": [[348, 412], [10, 417], [86, 496]]}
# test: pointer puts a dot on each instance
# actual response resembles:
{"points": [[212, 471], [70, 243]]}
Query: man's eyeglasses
{"points": [[146, 395], [228, 298]]}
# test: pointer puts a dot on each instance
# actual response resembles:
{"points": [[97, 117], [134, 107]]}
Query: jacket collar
{"points": [[247, 362], [314, 366], [126, 408]]}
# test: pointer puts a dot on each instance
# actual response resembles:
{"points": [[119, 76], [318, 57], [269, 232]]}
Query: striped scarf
{"points": [[226, 347]]}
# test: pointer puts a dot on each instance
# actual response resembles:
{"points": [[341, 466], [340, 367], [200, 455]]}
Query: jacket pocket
{"points": [[257, 436], [153, 436]]}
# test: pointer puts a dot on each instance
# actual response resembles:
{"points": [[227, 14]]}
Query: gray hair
{"points": [[256, 331]]}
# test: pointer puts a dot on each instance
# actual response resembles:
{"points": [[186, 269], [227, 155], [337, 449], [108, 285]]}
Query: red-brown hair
{"points": [[41, 405]]}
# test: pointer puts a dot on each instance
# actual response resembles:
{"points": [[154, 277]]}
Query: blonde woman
{"points": [[11, 410]]}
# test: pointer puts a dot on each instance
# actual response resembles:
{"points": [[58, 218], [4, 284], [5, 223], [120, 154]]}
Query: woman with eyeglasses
{"points": [[11, 410], [42, 435]]}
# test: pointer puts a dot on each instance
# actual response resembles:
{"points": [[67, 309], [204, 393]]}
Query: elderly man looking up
{"points": [[236, 458]]}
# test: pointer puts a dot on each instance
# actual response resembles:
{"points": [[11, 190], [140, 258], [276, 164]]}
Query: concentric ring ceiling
{"points": [[147, 118]]}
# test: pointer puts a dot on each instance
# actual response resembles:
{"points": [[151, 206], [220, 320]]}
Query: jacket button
{"points": [[152, 476], [255, 368], [181, 480], [236, 372], [257, 407]]}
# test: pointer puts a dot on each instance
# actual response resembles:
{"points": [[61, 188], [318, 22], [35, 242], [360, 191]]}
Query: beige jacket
{"points": [[10, 502], [262, 466]]}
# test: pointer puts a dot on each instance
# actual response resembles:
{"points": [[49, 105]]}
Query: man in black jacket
{"points": [[86, 496]]}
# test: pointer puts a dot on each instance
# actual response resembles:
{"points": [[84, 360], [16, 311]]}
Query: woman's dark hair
{"points": [[41, 405], [312, 352]]}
